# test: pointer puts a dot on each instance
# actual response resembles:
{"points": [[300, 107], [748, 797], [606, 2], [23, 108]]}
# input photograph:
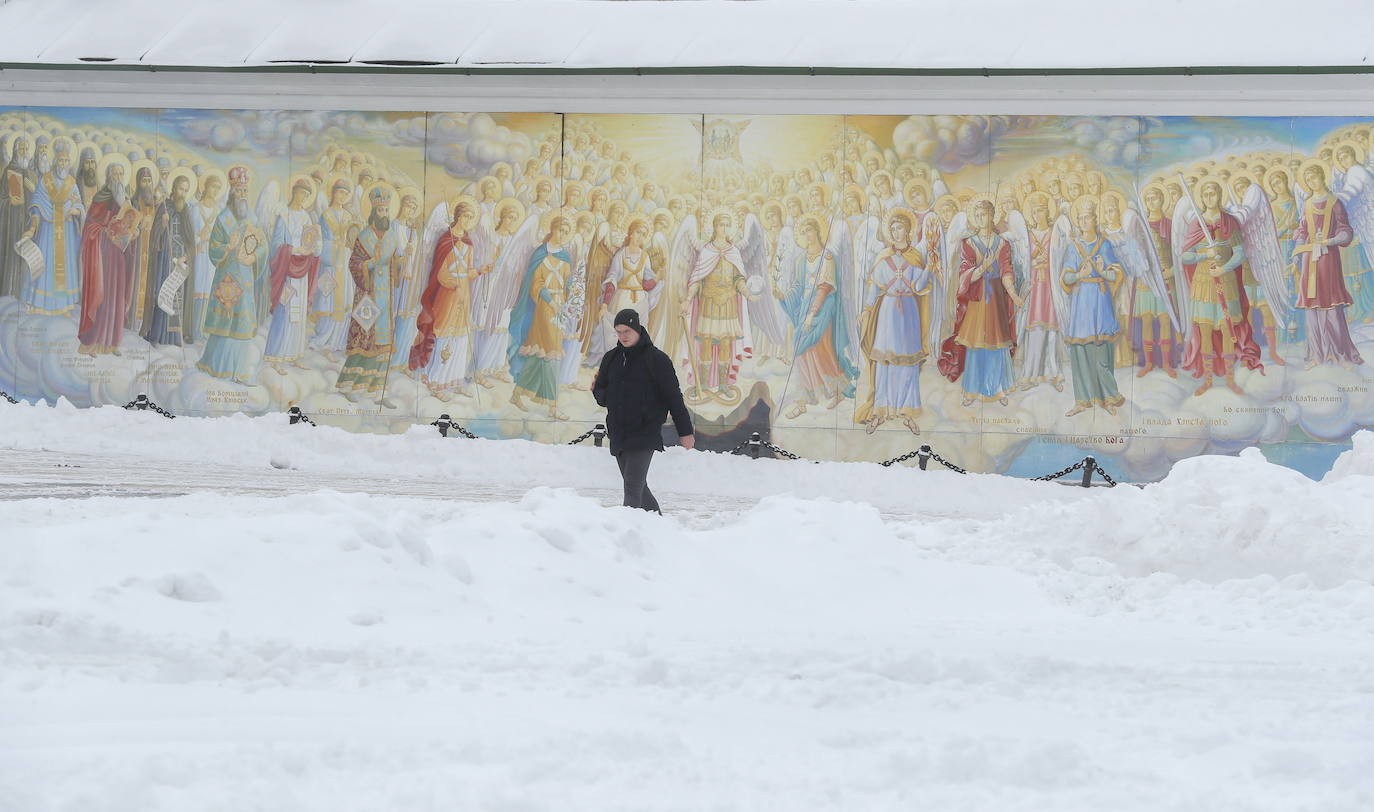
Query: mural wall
{"points": [[1013, 290]]}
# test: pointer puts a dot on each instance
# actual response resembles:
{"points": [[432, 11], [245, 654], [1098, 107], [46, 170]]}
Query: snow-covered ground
{"points": [[256, 616]]}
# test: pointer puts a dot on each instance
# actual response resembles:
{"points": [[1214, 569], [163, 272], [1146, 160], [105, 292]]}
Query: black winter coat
{"points": [[638, 386]]}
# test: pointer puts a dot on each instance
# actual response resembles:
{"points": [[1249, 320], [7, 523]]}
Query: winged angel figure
{"points": [[727, 299], [1214, 249]]}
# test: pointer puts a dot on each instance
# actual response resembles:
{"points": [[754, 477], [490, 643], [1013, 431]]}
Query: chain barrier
{"points": [[1063, 473], [142, 404], [297, 416], [597, 433], [1111, 483], [446, 424], [755, 444], [6, 396]]}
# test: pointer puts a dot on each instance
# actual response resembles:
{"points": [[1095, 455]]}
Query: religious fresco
{"points": [[1015, 291]]}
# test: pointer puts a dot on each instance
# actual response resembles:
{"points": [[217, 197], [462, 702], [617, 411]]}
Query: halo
{"points": [[1082, 202], [1354, 147], [309, 181], [463, 198], [219, 175], [330, 180], [182, 172], [1155, 186], [103, 165], [825, 194], [509, 203], [1308, 164], [822, 227], [411, 192], [139, 166], [393, 205], [856, 189], [901, 211], [71, 147], [569, 185], [710, 224], [923, 185]]}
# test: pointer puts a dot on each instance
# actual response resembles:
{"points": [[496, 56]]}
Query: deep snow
{"points": [[843, 636]]}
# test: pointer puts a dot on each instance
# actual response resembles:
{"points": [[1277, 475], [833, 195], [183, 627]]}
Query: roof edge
{"points": [[714, 70]]}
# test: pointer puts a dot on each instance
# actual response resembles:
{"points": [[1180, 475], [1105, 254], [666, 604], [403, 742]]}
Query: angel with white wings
{"points": [[1153, 313], [1089, 272], [630, 281], [1251, 206], [1211, 246], [1353, 183], [1322, 295], [781, 247], [410, 281], [1040, 342], [505, 246], [978, 353], [442, 350], [865, 243], [897, 331], [727, 283], [293, 262], [818, 304]]}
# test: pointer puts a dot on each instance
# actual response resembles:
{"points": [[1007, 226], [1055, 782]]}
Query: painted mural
{"points": [[1013, 290]]}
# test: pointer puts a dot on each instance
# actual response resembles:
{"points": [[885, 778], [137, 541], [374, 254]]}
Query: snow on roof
{"points": [[935, 35]]}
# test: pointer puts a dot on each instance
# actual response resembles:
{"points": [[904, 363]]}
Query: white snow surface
{"points": [[842, 637]]}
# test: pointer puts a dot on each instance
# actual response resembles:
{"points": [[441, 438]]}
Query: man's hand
{"points": [[688, 441]]}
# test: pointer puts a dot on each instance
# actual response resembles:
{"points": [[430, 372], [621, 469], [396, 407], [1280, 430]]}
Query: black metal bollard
{"points": [[1089, 465], [444, 423], [923, 456], [754, 445], [294, 414], [599, 434], [141, 402]]}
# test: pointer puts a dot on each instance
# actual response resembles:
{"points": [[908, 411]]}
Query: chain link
{"points": [[148, 404], [788, 454], [1063, 473], [453, 426], [6, 396], [951, 466], [903, 458], [582, 436], [1110, 482]]}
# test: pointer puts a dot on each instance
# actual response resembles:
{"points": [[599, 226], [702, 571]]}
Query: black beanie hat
{"points": [[629, 318]]}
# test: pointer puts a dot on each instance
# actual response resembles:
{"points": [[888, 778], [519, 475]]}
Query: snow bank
{"points": [[271, 440], [916, 640]]}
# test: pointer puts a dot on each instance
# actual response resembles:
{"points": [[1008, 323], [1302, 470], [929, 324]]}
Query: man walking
{"points": [[638, 386]]}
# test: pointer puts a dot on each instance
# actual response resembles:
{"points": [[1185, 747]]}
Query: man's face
{"points": [[817, 199], [62, 164], [722, 226], [88, 165], [408, 208], [772, 219], [562, 232], [1041, 210], [212, 188], [1154, 201], [180, 189], [898, 229], [1211, 195], [981, 217], [298, 196], [1087, 221], [626, 335], [145, 181], [1313, 178]]}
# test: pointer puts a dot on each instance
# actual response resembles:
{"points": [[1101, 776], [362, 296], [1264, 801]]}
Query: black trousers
{"points": [[634, 469]]}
